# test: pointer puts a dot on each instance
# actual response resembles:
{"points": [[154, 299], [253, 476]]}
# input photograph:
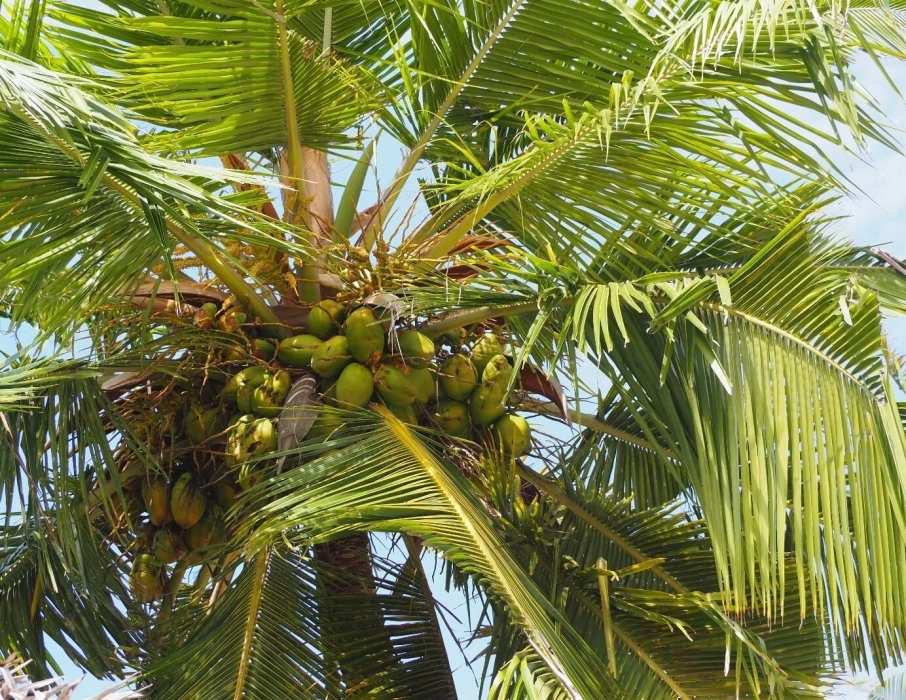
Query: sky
{"points": [[876, 215]]}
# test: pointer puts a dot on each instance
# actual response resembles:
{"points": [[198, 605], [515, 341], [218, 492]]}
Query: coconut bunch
{"points": [[458, 387], [228, 421]]}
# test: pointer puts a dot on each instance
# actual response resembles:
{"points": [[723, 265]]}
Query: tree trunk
{"points": [[352, 618]]}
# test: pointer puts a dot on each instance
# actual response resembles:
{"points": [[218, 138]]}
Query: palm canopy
{"points": [[633, 194]]}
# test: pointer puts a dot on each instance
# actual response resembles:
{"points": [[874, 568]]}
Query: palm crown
{"points": [[628, 195]]}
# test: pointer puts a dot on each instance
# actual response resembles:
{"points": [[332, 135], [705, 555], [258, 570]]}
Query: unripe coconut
{"points": [[199, 535], [486, 347], [249, 475], [187, 502], [452, 417], [331, 357], [263, 349], [417, 348], [424, 383], [405, 413], [296, 351], [204, 317], [202, 424], [486, 405], [456, 338], [336, 310], [326, 423], [267, 399], [354, 387], [321, 321], [224, 493], [513, 434], [156, 496], [145, 578], [254, 376], [167, 545], [393, 386], [496, 374], [251, 437], [365, 335], [232, 320], [458, 377]]}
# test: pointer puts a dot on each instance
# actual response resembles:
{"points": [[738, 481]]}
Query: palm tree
{"points": [[630, 197]]}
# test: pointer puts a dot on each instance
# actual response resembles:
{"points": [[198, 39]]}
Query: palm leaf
{"points": [[391, 480]]}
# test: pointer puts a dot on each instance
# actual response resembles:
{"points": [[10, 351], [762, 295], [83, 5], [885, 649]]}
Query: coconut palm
{"points": [[630, 198]]}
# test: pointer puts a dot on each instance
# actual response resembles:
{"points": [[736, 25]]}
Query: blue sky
{"points": [[876, 216]]}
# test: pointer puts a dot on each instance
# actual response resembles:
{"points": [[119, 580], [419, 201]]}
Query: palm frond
{"points": [[391, 480], [88, 210], [214, 81]]}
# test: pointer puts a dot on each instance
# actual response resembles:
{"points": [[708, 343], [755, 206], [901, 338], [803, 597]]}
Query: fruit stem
{"points": [[460, 319]]}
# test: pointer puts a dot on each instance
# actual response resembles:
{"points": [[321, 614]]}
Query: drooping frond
{"points": [[391, 480]]}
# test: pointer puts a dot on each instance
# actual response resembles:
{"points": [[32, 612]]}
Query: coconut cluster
{"points": [[457, 386]]}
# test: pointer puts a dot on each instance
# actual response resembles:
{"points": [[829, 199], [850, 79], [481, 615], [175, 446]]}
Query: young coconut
{"points": [[354, 386], [458, 377], [486, 405], [199, 535], [202, 424], [167, 545], [331, 357], [424, 383], [394, 386], [486, 347], [156, 496], [145, 578], [417, 349], [254, 375], [320, 321], [452, 417], [267, 399], [296, 351], [365, 335], [187, 502], [513, 434]]}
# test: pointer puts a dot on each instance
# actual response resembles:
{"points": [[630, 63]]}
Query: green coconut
{"points": [[199, 535], [167, 545], [394, 386], [267, 399], [513, 434], [335, 309], [263, 349], [321, 322], [497, 372], [458, 377], [406, 414], [331, 357], [187, 501], [156, 496], [417, 348], [202, 424], [485, 348], [326, 423], [424, 383], [486, 405], [254, 376], [224, 493], [354, 386], [452, 417], [365, 335], [296, 351], [145, 579], [251, 437]]}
